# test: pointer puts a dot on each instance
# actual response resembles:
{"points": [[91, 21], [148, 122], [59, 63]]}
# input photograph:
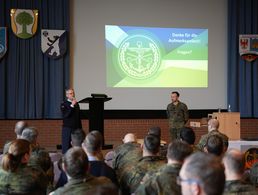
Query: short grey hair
{"points": [[30, 134]]}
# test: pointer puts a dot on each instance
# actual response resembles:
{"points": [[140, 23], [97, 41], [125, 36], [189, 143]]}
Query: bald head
{"points": [[19, 127], [213, 124], [129, 137], [234, 162]]}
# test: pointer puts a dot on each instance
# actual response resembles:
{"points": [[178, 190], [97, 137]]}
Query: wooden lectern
{"points": [[229, 124], [96, 114]]}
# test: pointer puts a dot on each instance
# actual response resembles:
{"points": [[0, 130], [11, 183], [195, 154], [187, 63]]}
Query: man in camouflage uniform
{"points": [[126, 154], [234, 169], [75, 164], [39, 158], [213, 126], [187, 135], [150, 162], [164, 181], [177, 113]]}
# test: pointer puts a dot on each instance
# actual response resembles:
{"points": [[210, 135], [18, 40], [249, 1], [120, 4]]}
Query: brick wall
{"points": [[50, 130]]}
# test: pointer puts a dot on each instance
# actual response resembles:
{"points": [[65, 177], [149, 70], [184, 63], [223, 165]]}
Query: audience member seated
{"points": [[40, 158], [187, 135], [75, 164], [150, 162], [92, 146], [18, 178], [214, 145], [202, 173], [165, 180], [156, 131], [126, 154], [234, 169], [213, 126], [77, 138], [19, 127]]}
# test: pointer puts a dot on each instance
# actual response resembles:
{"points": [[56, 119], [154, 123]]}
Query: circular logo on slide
{"points": [[139, 57]]}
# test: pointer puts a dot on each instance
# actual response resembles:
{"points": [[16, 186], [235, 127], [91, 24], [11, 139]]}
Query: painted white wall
{"points": [[87, 45]]}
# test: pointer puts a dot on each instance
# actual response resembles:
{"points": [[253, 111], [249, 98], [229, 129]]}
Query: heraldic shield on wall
{"points": [[24, 22], [53, 43], [3, 41], [248, 47]]}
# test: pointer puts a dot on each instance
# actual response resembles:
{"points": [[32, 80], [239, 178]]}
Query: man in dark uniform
{"points": [[71, 118], [177, 113]]}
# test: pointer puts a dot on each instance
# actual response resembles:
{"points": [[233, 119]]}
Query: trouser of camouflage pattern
{"points": [[174, 133]]}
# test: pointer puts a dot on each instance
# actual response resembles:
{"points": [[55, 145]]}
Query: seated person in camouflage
{"points": [[76, 164], [18, 178], [214, 145], [126, 154], [234, 170], [164, 181], [187, 135], [202, 174], [156, 131], [150, 162], [40, 158], [213, 125]]}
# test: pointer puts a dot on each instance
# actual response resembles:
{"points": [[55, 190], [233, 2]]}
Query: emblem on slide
{"points": [[24, 22], [53, 43], [139, 57], [3, 41]]}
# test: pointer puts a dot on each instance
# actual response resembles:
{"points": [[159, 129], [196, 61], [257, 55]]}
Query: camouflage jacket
{"points": [[237, 187], [25, 180], [81, 186], [205, 137], [125, 154], [163, 182], [177, 115], [134, 173]]}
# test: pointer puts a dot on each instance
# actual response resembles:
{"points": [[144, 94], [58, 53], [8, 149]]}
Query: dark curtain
{"points": [[242, 75], [32, 85]]}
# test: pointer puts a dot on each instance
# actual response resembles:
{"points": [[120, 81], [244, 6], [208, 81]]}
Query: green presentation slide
{"points": [[156, 57]]}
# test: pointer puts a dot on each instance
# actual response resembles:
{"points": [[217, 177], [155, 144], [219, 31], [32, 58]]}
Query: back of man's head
{"points": [[207, 170], [75, 163], [178, 151], [187, 134], [19, 127], [151, 144], [213, 124], [215, 145], [77, 137], [40, 158], [93, 142], [30, 134], [234, 161], [130, 138], [156, 131]]}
